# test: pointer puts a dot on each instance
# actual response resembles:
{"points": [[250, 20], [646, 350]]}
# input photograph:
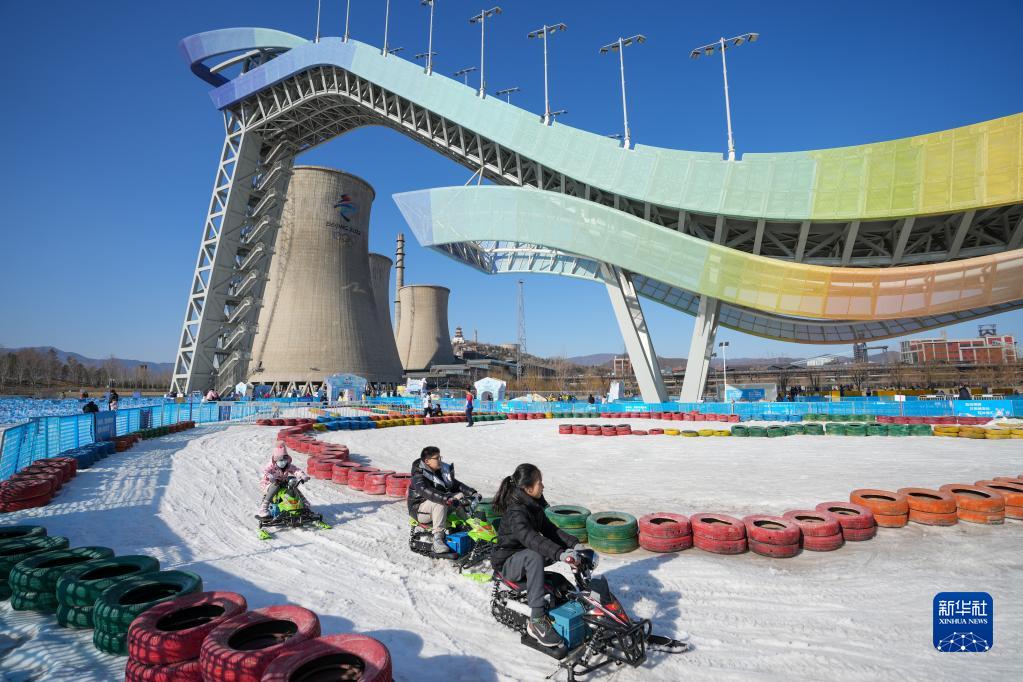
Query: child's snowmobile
{"points": [[288, 509], [471, 537], [602, 632]]}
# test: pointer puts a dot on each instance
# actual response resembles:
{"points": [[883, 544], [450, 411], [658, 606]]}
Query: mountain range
{"points": [[154, 367]]}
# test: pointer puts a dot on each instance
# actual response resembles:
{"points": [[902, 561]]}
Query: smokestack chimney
{"points": [[399, 278]]}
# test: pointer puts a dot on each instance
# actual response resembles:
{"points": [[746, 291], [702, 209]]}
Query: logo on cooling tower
{"points": [[346, 209]]}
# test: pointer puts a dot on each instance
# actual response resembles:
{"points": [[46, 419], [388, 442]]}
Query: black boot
{"points": [[543, 632]]}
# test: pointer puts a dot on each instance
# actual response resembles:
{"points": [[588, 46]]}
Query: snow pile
{"points": [[861, 612]]}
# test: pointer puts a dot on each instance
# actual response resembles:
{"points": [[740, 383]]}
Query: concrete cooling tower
{"points": [[423, 337], [380, 276], [319, 314]]}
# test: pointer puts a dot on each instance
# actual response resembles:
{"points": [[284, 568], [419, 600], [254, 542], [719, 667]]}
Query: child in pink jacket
{"points": [[276, 475]]}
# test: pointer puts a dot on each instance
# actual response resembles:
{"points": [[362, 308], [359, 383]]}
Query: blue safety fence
{"points": [[50, 436]]}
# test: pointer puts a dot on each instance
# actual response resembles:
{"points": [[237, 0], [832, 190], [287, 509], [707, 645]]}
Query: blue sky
{"points": [[111, 142]]}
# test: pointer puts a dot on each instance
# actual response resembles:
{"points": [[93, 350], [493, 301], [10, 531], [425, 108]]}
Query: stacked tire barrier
{"points": [[570, 518], [36, 484], [1012, 490], [22, 546], [857, 521], [930, 507], [243, 647], [977, 504], [890, 509], [772, 430], [665, 532], [80, 586], [718, 533], [612, 532], [821, 530], [773, 536], [119, 605], [33, 581], [334, 657]]}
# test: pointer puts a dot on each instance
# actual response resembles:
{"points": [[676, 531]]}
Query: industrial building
{"points": [[423, 336], [984, 350], [320, 315]]}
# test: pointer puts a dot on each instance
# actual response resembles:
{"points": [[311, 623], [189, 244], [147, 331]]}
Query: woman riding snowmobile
{"points": [[275, 477], [434, 492], [527, 541]]}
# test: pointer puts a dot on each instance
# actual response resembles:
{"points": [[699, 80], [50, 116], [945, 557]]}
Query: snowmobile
{"points": [[602, 632], [289, 509], [480, 534]]}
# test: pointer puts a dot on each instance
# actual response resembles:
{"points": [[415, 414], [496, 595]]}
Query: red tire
{"points": [[931, 519], [638, 432], [24, 488], [883, 502], [929, 501], [660, 544], [1012, 512], [664, 525], [814, 523], [579, 430], [565, 428], [891, 520], [858, 534], [28, 503], [241, 648], [850, 515], [718, 527], [186, 671], [823, 543], [357, 477], [975, 499], [656, 432], [772, 550], [771, 530], [719, 546], [375, 490], [988, 518], [378, 479], [336, 657], [1012, 493], [174, 631], [341, 470]]}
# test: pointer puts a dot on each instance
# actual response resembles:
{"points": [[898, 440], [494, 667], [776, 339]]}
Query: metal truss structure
{"points": [[268, 128]]}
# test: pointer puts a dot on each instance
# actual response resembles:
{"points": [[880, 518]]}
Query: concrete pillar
{"points": [[700, 349], [632, 323]]}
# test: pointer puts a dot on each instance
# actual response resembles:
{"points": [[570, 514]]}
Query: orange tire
{"points": [[1009, 479], [975, 499], [881, 502], [1014, 512], [982, 517], [931, 519], [891, 521], [1012, 493], [929, 501]]}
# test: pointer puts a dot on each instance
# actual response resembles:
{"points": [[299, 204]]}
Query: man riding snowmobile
{"points": [[433, 493]]}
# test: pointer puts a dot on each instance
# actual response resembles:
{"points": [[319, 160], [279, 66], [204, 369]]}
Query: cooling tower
{"points": [[319, 316], [380, 276], [423, 338]]}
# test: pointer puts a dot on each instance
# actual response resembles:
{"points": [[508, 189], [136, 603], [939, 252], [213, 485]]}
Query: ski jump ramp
{"points": [[827, 246]]}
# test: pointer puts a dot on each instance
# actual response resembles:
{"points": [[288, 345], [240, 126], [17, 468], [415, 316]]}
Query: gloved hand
{"points": [[477, 497], [458, 498], [579, 547], [570, 557], [450, 501]]}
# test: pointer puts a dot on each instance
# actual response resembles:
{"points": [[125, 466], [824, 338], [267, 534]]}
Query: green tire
{"points": [[42, 602], [615, 546], [74, 616], [757, 432], [776, 431], [83, 584], [877, 429], [856, 430], [795, 430], [740, 431], [40, 572], [16, 551], [118, 605], [14, 533], [580, 534], [110, 642], [5, 590], [568, 516], [611, 525], [898, 430], [920, 430], [813, 429], [835, 429]]}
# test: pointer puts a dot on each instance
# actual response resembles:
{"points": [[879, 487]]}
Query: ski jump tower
{"points": [[827, 246]]}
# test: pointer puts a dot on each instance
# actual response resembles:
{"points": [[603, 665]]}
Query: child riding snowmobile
{"points": [[434, 497], [283, 505]]}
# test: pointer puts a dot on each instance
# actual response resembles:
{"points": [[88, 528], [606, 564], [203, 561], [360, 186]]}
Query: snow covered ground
{"points": [[863, 612]]}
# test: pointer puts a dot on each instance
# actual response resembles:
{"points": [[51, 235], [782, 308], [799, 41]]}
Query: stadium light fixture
{"points": [[721, 45], [429, 57], [429, 43], [507, 92], [620, 46], [464, 73], [481, 19], [395, 50], [542, 33]]}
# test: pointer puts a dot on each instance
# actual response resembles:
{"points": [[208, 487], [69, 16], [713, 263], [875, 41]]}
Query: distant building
{"points": [[458, 339], [621, 367], [820, 361], [986, 350]]}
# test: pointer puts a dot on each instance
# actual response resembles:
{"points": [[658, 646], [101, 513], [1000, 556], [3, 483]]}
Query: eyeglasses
{"points": [[436, 457]]}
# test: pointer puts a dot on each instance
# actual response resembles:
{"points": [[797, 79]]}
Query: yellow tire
{"points": [[706, 432], [670, 432], [690, 434], [722, 433]]}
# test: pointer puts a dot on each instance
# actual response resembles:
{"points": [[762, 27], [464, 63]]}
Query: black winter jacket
{"points": [[525, 526], [436, 487]]}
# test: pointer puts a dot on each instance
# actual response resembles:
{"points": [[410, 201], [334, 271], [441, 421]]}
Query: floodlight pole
{"points": [[728, 106], [723, 345], [429, 42], [481, 19], [542, 33], [387, 19], [348, 11], [318, 3], [620, 45]]}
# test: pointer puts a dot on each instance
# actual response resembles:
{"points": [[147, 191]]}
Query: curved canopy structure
{"points": [[933, 198]]}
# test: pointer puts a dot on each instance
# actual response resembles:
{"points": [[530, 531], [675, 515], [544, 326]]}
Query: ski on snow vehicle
{"points": [[289, 509], [595, 628], [470, 536]]}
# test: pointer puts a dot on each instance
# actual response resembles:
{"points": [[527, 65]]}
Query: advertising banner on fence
{"points": [[105, 425]]}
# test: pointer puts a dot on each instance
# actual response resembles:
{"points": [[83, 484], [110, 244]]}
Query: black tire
{"points": [[84, 583], [39, 572], [611, 525], [43, 602], [8, 533], [110, 642], [74, 616], [15, 551], [568, 516], [118, 605]]}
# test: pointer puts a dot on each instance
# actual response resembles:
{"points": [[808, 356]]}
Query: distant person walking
{"points": [[90, 408], [591, 400], [112, 400], [468, 408], [964, 393]]}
